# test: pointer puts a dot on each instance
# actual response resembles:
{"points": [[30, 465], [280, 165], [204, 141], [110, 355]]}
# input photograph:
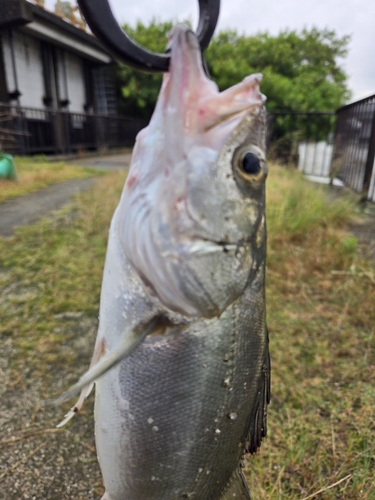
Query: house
{"points": [[57, 93]]}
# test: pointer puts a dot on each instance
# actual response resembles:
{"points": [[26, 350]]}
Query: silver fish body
{"points": [[187, 251]]}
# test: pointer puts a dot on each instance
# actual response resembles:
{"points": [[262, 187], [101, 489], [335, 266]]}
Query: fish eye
{"points": [[251, 163], [249, 166]]}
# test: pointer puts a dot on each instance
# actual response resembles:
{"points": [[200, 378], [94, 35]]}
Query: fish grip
{"points": [[102, 23]]}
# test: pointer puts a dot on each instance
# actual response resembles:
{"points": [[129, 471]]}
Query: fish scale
{"points": [[185, 433]]}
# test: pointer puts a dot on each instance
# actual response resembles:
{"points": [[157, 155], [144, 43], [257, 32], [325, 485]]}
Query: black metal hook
{"points": [[99, 17]]}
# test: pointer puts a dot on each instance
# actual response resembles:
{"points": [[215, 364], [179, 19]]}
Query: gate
{"points": [[354, 146]]}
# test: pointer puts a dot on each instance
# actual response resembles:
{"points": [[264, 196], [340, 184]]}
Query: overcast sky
{"points": [[346, 17]]}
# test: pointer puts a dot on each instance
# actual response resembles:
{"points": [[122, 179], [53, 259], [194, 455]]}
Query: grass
{"points": [[321, 315], [55, 267], [37, 173], [321, 318]]}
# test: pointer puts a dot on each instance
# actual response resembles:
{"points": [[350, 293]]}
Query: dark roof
{"points": [[14, 13], [20, 12], [64, 25]]}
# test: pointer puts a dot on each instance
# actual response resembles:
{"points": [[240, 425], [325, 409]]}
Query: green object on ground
{"points": [[7, 168]]}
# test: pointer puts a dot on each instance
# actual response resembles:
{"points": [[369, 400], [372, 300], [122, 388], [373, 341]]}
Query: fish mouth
{"points": [[201, 247], [205, 246], [187, 88], [183, 37], [246, 97]]}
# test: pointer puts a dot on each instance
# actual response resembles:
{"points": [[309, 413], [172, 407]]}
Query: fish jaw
{"points": [[182, 194]]}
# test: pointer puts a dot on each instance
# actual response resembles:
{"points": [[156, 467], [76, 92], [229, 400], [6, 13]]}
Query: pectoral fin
{"points": [[130, 341], [85, 392]]}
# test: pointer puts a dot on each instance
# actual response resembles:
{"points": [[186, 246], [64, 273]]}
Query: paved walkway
{"points": [[27, 209], [110, 162]]}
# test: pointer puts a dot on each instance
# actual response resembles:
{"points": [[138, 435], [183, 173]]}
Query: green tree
{"points": [[301, 71], [139, 90]]}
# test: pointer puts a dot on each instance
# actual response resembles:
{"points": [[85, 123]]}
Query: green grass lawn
{"points": [[37, 173], [321, 316]]}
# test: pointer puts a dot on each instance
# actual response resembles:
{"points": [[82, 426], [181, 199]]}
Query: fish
{"points": [[181, 361]]}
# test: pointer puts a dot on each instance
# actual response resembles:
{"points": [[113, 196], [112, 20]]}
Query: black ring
{"points": [[99, 17]]}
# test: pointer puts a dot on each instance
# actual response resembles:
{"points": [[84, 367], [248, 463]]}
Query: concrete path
{"points": [[111, 162], [27, 209]]}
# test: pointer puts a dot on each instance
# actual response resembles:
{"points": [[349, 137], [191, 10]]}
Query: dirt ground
{"points": [[37, 460]]}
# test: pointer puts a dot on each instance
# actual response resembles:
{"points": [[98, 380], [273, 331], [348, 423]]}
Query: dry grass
{"points": [[37, 173], [321, 317]]}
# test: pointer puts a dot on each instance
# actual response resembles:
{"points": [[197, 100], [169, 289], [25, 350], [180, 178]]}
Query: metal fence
{"points": [[33, 131], [354, 146], [303, 139], [325, 145]]}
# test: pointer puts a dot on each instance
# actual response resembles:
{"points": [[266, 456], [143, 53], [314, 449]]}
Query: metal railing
{"points": [[302, 139], [34, 131], [322, 144], [354, 146]]}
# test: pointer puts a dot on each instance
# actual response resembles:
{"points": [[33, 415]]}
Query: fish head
{"points": [[191, 217]]}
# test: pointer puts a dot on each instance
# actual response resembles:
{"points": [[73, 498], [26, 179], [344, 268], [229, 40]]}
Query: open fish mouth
{"points": [[171, 227]]}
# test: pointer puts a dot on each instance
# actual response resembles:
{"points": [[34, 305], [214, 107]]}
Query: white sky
{"points": [[346, 17]]}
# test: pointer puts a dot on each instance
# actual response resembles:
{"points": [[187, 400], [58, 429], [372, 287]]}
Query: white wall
{"points": [[28, 66], [315, 158], [8, 63], [29, 69], [61, 56], [76, 83]]}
